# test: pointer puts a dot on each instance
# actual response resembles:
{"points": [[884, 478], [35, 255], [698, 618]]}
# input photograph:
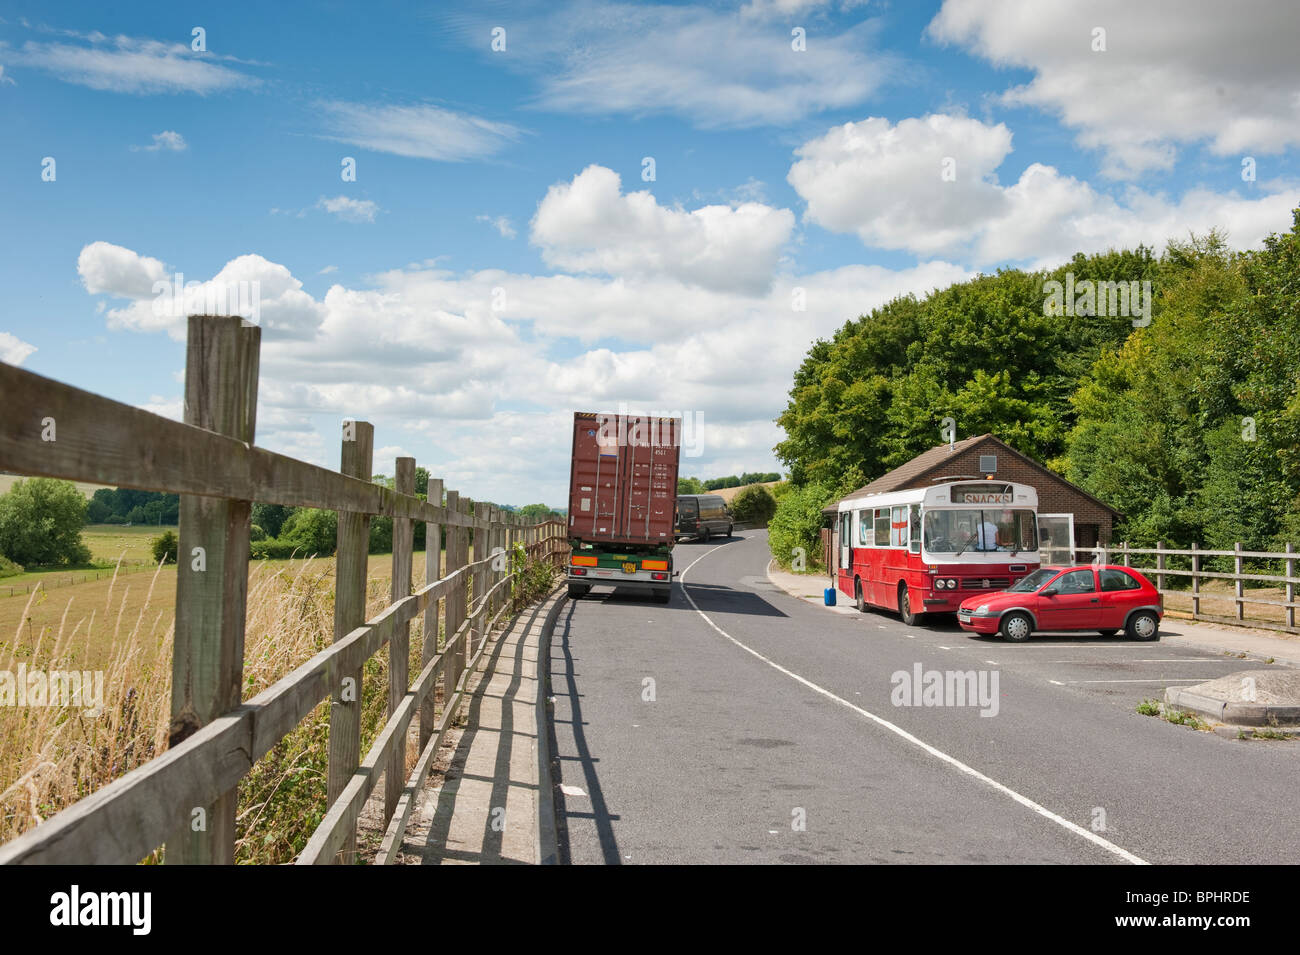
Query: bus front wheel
{"points": [[905, 610]]}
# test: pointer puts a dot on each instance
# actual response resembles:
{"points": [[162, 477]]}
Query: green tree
{"points": [[796, 524], [41, 521], [753, 505], [689, 486], [312, 531], [164, 547], [271, 517]]}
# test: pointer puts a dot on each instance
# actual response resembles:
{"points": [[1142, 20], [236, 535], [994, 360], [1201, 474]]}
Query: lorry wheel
{"points": [[578, 590]]}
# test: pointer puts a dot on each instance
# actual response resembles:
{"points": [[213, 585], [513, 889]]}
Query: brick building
{"points": [[1066, 513]]}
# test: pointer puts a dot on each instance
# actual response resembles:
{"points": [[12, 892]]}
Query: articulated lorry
{"points": [[622, 502]]}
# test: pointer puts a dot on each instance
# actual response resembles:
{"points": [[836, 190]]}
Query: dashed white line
{"points": [[899, 731]]}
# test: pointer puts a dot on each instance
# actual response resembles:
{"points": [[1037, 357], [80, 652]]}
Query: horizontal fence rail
{"points": [[51, 429], [1155, 562]]}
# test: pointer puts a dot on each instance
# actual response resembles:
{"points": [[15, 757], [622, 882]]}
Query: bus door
{"points": [[846, 542]]}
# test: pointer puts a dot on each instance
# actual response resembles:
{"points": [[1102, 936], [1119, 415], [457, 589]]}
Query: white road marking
{"points": [[1056, 682], [572, 790], [1167, 660], [898, 730], [1192, 679]]}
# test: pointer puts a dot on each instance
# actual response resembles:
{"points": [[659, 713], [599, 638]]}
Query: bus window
{"points": [[914, 536], [882, 526], [864, 528], [898, 527]]}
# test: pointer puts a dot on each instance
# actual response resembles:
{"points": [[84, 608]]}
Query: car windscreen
{"points": [[1033, 581]]}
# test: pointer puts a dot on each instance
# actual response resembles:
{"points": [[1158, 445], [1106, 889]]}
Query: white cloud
{"points": [[718, 68], [422, 132], [482, 397], [112, 270], [166, 140], [1173, 71], [328, 269], [6, 80], [173, 408], [883, 182], [590, 225], [349, 210], [502, 224], [125, 64], [14, 350], [286, 311]]}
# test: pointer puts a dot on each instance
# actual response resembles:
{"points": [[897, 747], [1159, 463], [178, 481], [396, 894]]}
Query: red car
{"points": [[1106, 599]]}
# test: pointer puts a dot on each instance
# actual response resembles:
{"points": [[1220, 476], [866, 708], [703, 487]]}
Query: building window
{"points": [[988, 464]]}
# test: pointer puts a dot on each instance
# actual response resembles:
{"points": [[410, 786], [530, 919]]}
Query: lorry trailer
{"points": [[622, 502]]}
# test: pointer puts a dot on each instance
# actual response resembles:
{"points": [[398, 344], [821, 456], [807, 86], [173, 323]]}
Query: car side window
{"points": [[1118, 580], [1075, 582]]}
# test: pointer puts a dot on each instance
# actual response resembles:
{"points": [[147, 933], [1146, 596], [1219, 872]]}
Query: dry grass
{"points": [[52, 756]]}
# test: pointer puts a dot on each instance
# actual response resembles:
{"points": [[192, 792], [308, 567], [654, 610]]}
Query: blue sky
{"points": [[500, 261]]}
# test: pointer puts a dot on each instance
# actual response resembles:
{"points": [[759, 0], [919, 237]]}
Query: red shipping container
{"points": [[623, 479]]}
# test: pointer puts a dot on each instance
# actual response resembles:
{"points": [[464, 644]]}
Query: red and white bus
{"points": [[925, 550]]}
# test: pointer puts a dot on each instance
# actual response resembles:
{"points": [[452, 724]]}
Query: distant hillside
{"points": [[7, 481], [727, 493]]}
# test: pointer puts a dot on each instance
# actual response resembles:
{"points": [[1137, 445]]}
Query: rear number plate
{"points": [[629, 568]]}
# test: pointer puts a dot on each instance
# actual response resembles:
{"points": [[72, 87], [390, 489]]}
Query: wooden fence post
{"points": [[1290, 586], [352, 553], [1236, 569], [221, 369], [399, 645], [455, 597], [429, 649], [1126, 558], [1160, 565], [1196, 581], [482, 573]]}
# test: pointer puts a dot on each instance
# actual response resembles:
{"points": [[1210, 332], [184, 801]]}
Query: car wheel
{"points": [[1016, 627], [706, 536], [858, 599], [578, 590], [1143, 625], [729, 527], [905, 607], [1108, 633]]}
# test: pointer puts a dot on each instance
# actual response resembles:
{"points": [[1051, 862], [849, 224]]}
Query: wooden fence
{"points": [[1165, 565], [185, 798]]}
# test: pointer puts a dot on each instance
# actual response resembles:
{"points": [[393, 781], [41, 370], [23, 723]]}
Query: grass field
{"points": [[108, 543], [52, 756]]}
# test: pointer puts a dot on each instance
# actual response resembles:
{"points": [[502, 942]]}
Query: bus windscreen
{"points": [[980, 529]]}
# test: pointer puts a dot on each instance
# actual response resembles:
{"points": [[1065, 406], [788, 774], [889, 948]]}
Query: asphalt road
{"points": [[738, 724]]}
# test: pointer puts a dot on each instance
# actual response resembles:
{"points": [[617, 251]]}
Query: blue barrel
{"points": [[828, 596]]}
